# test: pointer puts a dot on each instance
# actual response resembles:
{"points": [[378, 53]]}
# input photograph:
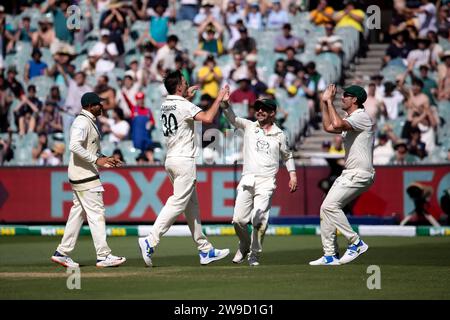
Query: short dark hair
{"points": [[172, 37], [31, 87], [172, 80], [119, 113], [417, 82]]}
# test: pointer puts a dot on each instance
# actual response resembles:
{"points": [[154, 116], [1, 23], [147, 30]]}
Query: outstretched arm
{"points": [[337, 122]]}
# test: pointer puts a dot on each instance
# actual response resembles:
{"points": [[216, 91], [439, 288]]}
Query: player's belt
{"points": [[84, 180]]}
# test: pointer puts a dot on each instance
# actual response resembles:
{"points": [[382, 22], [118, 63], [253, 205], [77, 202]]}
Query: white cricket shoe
{"points": [[353, 251], [146, 251], [212, 255], [253, 260], [110, 261], [325, 261], [240, 256], [63, 260]]}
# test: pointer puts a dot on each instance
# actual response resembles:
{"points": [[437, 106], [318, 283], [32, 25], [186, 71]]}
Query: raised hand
{"points": [[191, 92], [329, 93]]}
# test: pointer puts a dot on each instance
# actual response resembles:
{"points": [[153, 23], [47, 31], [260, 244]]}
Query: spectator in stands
{"points": [[443, 21], [281, 78], [49, 120], [210, 38], [421, 55], [106, 53], [246, 44], [55, 97], [118, 155], [353, 18], [39, 147], [426, 14], [75, 89], [6, 33], [129, 90], [230, 69], [444, 77], [188, 10], [337, 147], [287, 39], [373, 105], [145, 71], [207, 11], [53, 156], [322, 14], [398, 48], [24, 31], [35, 67], [392, 99], [277, 16], [292, 64], [6, 98], [166, 54], [315, 78], [147, 157], [244, 93], [105, 92], [330, 42], [415, 145], [401, 156], [27, 110], [232, 18], [62, 66], [159, 24], [6, 149], [383, 151], [142, 123], [254, 18], [60, 13], [429, 84], [210, 77], [88, 66], [11, 82], [117, 128], [45, 36], [185, 65], [436, 50]]}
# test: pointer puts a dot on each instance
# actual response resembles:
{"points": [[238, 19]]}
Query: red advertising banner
{"points": [[137, 194]]}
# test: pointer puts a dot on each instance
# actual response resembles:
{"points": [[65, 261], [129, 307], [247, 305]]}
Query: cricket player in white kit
{"points": [[177, 117], [84, 178], [264, 145], [358, 174]]}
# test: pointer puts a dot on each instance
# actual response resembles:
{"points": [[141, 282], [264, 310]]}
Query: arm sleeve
{"points": [[235, 121], [360, 121], [193, 110], [286, 154], [78, 135]]}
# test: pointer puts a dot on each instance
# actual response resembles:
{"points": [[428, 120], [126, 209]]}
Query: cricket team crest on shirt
{"points": [[262, 146]]}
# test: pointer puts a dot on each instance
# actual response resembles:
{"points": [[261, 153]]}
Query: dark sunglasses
{"points": [[346, 95]]}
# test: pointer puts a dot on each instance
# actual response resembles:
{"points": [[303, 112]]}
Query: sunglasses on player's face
{"points": [[262, 108]]}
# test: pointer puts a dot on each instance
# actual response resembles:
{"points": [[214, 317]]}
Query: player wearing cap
{"points": [[357, 176], [84, 178], [264, 145], [177, 117]]}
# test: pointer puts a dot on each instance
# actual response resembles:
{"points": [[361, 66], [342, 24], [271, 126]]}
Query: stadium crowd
{"points": [[51, 53]]}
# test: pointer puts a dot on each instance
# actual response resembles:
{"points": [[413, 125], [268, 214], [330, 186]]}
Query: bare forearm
{"points": [[336, 120]]}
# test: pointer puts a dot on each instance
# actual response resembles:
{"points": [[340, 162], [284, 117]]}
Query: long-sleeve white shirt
{"points": [[262, 151]]}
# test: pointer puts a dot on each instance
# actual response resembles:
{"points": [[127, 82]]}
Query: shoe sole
{"points": [[113, 265], [215, 259], [363, 250], [240, 261], [65, 265], [144, 256], [325, 264]]}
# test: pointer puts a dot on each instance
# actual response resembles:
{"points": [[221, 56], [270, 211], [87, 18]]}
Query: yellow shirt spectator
{"points": [[210, 85], [319, 18], [346, 20]]}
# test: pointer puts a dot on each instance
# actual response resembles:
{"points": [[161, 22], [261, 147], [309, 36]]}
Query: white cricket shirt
{"points": [[177, 124], [262, 151], [358, 143]]}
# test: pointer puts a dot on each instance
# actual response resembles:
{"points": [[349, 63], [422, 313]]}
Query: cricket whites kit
{"points": [[177, 117], [261, 152], [87, 193], [357, 176]]}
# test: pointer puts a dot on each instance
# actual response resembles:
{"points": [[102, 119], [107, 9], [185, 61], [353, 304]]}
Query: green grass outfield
{"points": [[411, 268]]}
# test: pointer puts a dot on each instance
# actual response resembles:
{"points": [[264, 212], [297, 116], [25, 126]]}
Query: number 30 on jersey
{"points": [[170, 124]]}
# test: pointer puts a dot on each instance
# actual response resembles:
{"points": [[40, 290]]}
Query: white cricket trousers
{"points": [[183, 176], [253, 202], [349, 185], [90, 204]]}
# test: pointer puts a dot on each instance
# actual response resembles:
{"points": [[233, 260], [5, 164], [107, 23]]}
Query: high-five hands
{"points": [[329, 93]]}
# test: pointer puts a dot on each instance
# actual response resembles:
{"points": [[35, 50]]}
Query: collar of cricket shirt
{"points": [[88, 114], [274, 130], [175, 97]]}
